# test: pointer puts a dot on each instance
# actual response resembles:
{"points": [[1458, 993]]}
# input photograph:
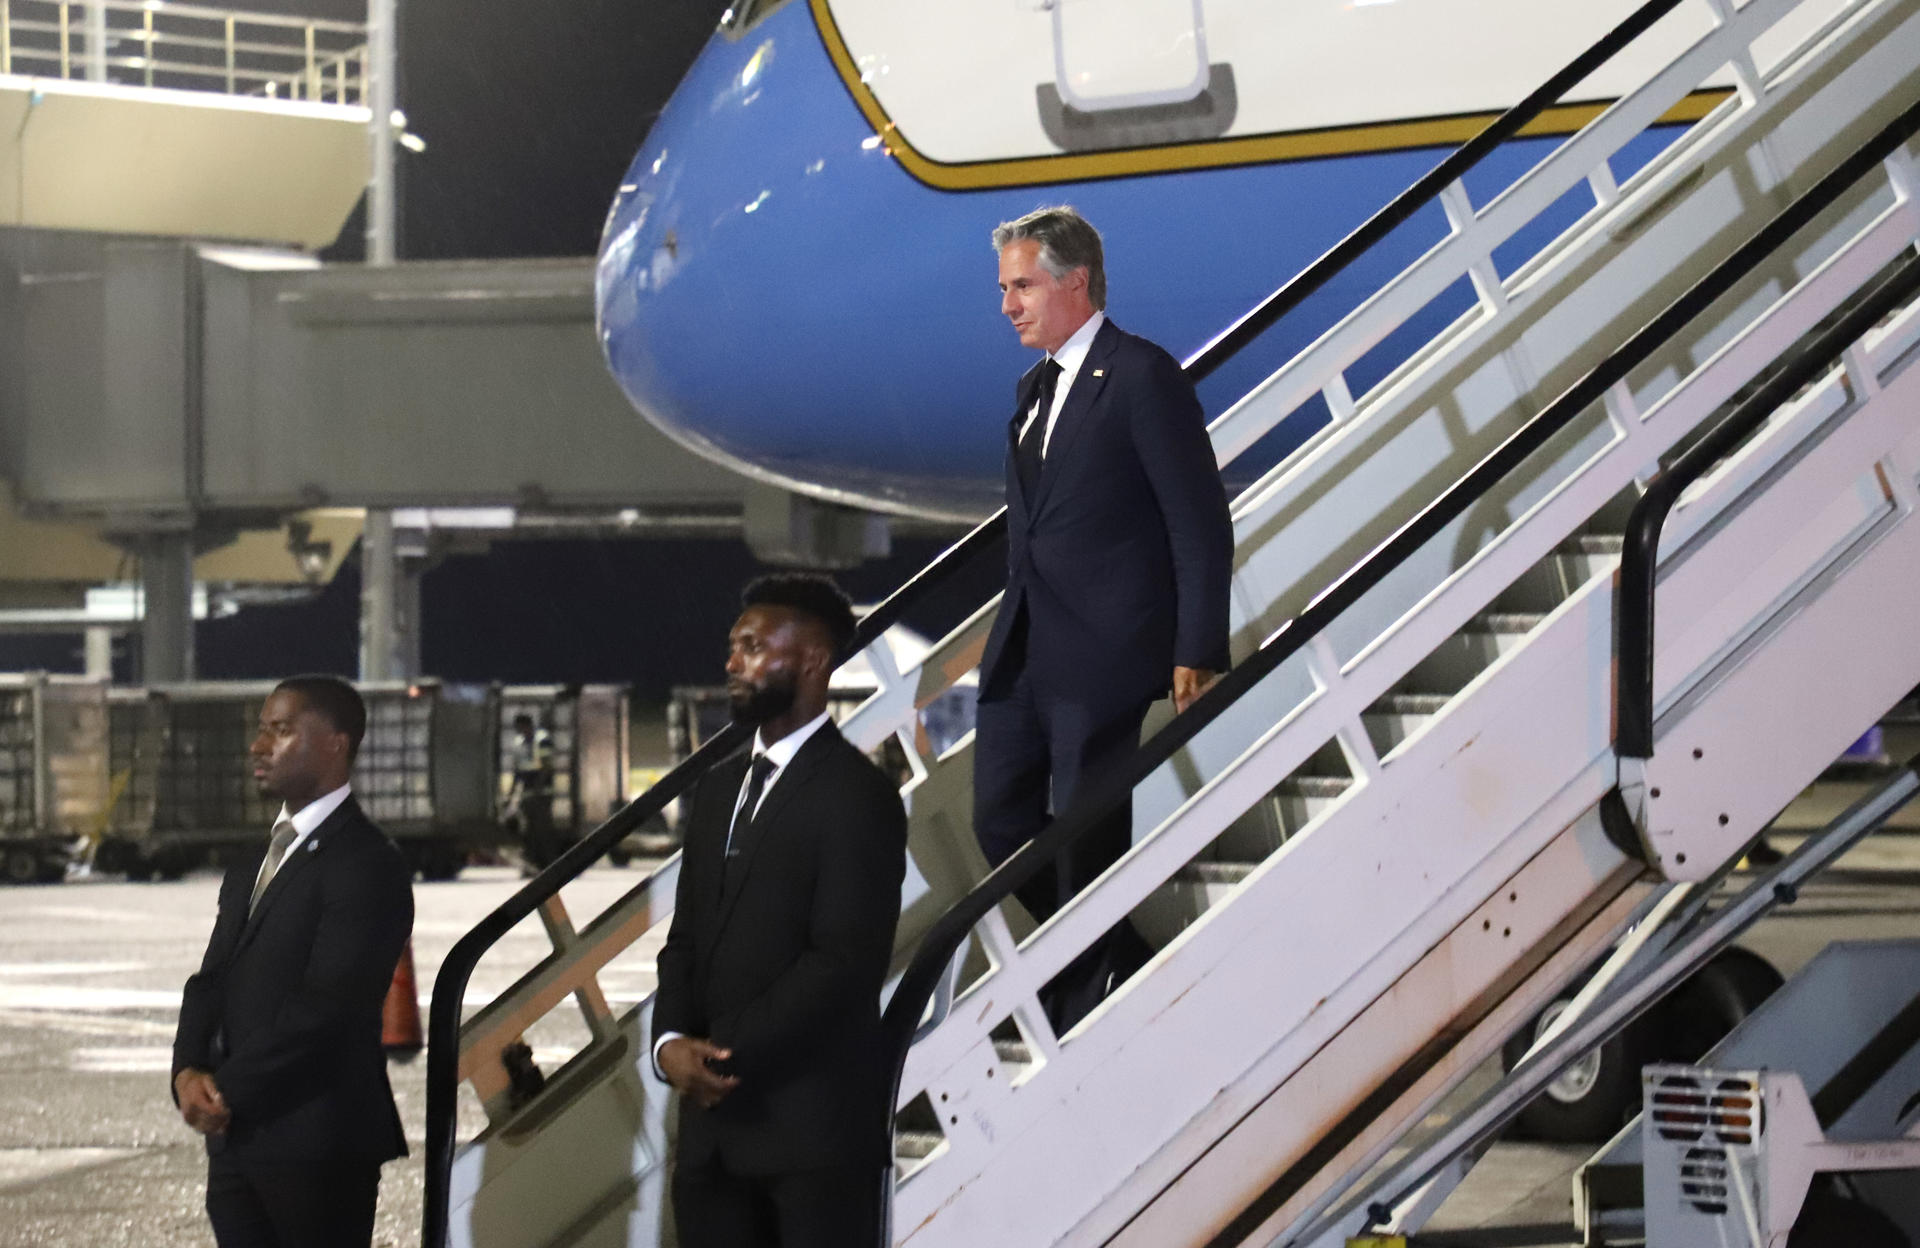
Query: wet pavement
{"points": [[93, 1155], [92, 1152]]}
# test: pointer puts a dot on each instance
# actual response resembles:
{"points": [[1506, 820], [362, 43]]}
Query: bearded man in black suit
{"points": [[1120, 552], [277, 1059], [767, 1020]]}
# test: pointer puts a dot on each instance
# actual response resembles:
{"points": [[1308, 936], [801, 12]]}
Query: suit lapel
{"points": [[785, 785], [296, 862], [1087, 384]]}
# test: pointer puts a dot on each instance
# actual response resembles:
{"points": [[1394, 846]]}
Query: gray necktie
{"points": [[283, 835]]}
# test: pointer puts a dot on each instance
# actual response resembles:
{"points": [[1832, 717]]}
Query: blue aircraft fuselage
{"points": [[777, 292]]}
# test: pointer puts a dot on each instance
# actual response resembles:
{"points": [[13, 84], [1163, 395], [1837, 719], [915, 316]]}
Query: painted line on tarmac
{"points": [[20, 1167], [25, 970]]}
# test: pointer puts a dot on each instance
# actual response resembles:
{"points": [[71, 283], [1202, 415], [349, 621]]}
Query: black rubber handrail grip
{"points": [[1639, 556], [443, 1027], [915, 989]]}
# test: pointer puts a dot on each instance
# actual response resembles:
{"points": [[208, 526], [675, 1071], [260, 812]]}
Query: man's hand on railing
{"points": [[687, 1064], [1189, 683]]}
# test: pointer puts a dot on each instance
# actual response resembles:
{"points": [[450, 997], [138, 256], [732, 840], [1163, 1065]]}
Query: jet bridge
{"points": [[1412, 813]]}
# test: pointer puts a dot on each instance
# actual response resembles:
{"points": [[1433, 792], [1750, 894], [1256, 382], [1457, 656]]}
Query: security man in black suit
{"points": [[768, 1015], [277, 1059], [1120, 551]]}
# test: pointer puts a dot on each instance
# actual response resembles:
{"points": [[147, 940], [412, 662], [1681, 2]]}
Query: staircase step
{"points": [[1322, 788], [1224, 874], [1506, 623], [1013, 1052], [916, 1145], [1463, 656], [1411, 704], [1554, 579], [1594, 544]]}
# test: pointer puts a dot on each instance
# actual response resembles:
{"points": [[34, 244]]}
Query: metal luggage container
{"points": [[587, 727], [53, 772], [187, 795]]}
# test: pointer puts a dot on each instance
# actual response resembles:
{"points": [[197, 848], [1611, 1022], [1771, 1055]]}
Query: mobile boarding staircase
{"points": [[1404, 820]]}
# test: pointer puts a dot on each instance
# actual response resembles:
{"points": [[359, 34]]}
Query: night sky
{"points": [[530, 114]]}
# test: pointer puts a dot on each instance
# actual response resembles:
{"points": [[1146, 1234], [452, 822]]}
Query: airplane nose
{"points": [[775, 292]]}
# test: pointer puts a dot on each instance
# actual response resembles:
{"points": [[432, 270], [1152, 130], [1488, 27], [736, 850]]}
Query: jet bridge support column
{"points": [[166, 617], [390, 570], [797, 531]]}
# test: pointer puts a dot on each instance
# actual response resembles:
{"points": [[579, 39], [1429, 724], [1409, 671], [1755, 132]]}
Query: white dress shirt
{"points": [[304, 821], [1071, 355], [780, 753]]}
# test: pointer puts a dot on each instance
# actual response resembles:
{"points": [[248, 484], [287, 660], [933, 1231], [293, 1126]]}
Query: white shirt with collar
{"points": [[780, 753], [1071, 355], [306, 819]]}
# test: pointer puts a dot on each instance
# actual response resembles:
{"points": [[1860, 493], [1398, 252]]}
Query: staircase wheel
{"points": [[1591, 1098], [1712, 1002], [1830, 1220], [172, 863], [435, 862], [22, 865]]}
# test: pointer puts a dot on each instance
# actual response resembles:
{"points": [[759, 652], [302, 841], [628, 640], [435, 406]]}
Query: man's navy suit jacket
{"points": [[285, 1009], [1122, 558]]}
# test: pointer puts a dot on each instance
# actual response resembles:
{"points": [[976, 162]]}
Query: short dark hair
{"points": [[1067, 241], [337, 701], [810, 593]]}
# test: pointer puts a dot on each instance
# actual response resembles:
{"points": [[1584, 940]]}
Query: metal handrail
{"points": [[247, 16], [313, 61], [1633, 674], [1423, 192], [456, 969], [443, 1029], [1094, 805]]}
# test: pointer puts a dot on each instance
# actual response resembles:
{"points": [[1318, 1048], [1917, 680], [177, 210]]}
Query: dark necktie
{"points": [[756, 785], [1033, 441]]}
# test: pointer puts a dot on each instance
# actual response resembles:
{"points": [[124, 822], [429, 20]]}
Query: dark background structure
{"points": [[530, 114]]}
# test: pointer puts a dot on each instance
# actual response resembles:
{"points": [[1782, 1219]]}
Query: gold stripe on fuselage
{"points": [[1385, 136]]}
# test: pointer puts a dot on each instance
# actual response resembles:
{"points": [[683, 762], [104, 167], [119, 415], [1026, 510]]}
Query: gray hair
{"points": [[1067, 242]]}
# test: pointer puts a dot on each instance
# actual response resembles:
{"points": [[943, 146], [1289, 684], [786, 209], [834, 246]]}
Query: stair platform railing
{"points": [[1018, 970]]}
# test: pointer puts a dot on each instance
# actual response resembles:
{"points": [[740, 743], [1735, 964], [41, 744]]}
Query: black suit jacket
{"points": [[1122, 558], [784, 964], [285, 1009]]}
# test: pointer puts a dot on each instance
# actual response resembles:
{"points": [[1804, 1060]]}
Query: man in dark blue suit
{"points": [[1120, 550]]}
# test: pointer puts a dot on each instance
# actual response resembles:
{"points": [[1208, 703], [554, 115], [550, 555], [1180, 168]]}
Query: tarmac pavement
{"points": [[93, 1154]]}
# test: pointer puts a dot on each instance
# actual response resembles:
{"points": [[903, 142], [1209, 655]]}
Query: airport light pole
{"points": [[389, 600]]}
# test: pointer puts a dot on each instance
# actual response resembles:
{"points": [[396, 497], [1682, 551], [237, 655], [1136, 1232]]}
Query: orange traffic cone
{"points": [[400, 1016]]}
